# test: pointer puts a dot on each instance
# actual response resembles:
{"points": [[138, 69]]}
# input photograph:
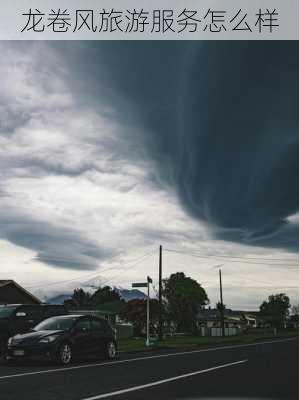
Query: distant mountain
{"points": [[125, 294]]}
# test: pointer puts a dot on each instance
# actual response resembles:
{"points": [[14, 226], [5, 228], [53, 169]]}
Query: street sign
{"points": [[141, 284], [149, 280]]}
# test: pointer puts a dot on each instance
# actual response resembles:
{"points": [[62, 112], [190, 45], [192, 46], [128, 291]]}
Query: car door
{"points": [[82, 336], [100, 333]]}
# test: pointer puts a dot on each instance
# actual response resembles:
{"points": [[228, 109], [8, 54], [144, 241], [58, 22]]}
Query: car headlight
{"points": [[48, 339]]}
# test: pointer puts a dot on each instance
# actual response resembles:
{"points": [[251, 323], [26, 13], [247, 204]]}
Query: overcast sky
{"points": [[110, 149]]}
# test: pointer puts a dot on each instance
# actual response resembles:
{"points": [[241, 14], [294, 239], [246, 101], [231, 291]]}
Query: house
{"points": [[245, 319], [12, 293], [209, 321]]}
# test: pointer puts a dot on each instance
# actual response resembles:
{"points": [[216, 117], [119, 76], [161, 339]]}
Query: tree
{"points": [[135, 312], [104, 295], [70, 304], [276, 309], [79, 299], [184, 297]]}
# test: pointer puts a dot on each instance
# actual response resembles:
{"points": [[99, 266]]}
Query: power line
{"points": [[41, 284], [144, 257], [241, 276], [241, 260], [71, 259], [69, 280], [241, 257], [230, 256], [259, 287], [138, 260]]}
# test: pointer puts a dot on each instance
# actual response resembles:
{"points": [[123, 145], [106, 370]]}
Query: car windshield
{"points": [[6, 311], [56, 323]]}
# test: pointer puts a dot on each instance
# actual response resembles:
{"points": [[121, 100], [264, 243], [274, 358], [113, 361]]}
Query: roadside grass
{"points": [[138, 344]]}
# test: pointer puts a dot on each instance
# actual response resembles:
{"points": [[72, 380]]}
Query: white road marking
{"points": [[128, 360], [156, 383]]}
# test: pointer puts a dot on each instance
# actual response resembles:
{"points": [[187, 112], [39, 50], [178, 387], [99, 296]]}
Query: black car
{"points": [[64, 338], [20, 318]]}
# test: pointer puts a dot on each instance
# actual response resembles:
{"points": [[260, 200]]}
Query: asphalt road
{"points": [[260, 371]]}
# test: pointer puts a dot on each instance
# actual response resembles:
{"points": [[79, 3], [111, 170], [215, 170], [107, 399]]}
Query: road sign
{"points": [[141, 284]]}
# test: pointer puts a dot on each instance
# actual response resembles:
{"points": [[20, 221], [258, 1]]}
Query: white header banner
{"points": [[149, 20]]}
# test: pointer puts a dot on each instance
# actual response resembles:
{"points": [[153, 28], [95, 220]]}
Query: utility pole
{"points": [[222, 308], [160, 329]]}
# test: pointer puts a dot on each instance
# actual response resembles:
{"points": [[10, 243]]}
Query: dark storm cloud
{"points": [[54, 246], [241, 136], [221, 120]]}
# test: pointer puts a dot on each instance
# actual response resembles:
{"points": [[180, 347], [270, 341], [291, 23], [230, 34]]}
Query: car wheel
{"points": [[110, 351], [64, 354]]}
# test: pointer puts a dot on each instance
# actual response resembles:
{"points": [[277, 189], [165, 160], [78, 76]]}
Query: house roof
{"points": [[208, 313], [6, 282], [214, 314]]}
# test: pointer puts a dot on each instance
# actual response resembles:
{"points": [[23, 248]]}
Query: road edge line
{"points": [[162, 381]]}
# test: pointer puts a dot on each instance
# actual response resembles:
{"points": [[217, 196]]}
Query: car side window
{"points": [[83, 324], [97, 325]]}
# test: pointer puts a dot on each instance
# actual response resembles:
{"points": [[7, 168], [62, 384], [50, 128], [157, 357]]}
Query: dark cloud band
{"points": [[221, 120]]}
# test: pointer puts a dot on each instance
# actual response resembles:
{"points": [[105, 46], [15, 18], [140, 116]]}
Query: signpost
{"points": [[146, 284]]}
